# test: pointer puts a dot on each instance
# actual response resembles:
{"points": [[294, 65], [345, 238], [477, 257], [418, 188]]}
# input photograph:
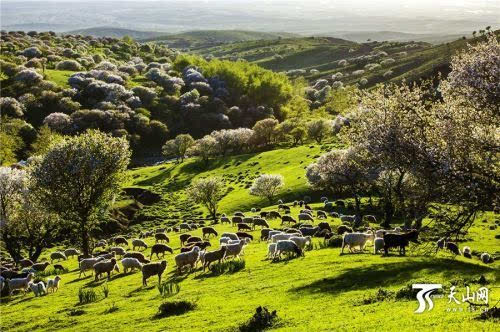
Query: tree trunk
{"points": [[36, 254], [388, 213]]}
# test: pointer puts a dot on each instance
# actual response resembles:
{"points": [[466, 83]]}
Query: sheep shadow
{"points": [[79, 279], [140, 290], [386, 275], [17, 299]]}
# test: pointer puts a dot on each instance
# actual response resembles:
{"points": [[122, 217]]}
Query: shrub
{"points": [[381, 295], [76, 312], [69, 65], [168, 288], [260, 321], [105, 290], [228, 266], [86, 296], [174, 308]]}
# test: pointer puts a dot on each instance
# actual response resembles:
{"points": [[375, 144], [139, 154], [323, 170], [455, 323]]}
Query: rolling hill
{"points": [[115, 32]]}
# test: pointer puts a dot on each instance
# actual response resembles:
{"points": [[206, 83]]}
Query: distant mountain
{"points": [[115, 32], [209, 38], [363, 36]]}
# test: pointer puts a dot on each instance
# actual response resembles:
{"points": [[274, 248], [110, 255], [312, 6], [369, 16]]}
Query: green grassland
{"points": [[323, 291]]}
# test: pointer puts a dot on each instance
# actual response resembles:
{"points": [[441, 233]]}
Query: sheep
{"points": [[239, 214], [70, 252], [101, 243], [344, 229], [40, 267], [8, 274], [399, 240], [370, 218], [309, 212], [324, 225], [381, 232], [244, 227], [187, 258], [321, 214], [248, 220], [234, 250], [131, 263], [271, 250], [120, 240], [38, 288], [278, 237], [224, 240], [452, 247], [161, 237], [225, 220], [57, 255], [53, 284], [264, 233], [260, 222], [107, 255], [184, 226], [106, 266], [151, 269], [348, 219], [356, 239], [301, 241], [236, 220], [273, 232], [334, 214], [378, 244], [58, 267], [212, 256], [88, 264], [264, 214], [207, 231], [202, 245], [282, 207], [183, 238], [340, 203], [243, 235], [486, 258], [160, 230], [467, 252], [232, 236], [305, 216], [160, 248], [293, 231], [287, 246], [25, 262], [118, 251], [274, 215], [311, 231], [288, 219], [20, 283], [194, 239], [140, 257], [139, 243]]}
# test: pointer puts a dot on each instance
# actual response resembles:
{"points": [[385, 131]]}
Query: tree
{"points": [[178, 147], [318, 129], [208, 192], [79, 177], [264, 130], [267, 185], [205, 148], [45, 140]]}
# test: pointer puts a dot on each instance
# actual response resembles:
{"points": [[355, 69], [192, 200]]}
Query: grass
{"points": [[60, 77]]}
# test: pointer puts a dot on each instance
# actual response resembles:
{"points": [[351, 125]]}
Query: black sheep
{"points": [[399, 240]]}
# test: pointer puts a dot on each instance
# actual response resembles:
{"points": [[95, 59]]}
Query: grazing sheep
{"points": [[344, 229], [352, 240], [53, 284], [224, 240], [25, 262], [139, 256], [120, 240], [293, 231], [40, 267], [8, 274], [202, 245], [160, 230], [486, 258], [57, 255], [236, 220], [159, 237], [348, 219], [263, 214], [273, 232], [187, 258], [283, 236], [239, 214], [108, 255], [340, 203], [260, 222], [321, 214], [70, 252], [301, 241], [131, 263], [274, 215], [399, 240], [160, 248], [232, 236], [106, 266], [370, 218], [324, 225], [248, 220], [153, 269], [264, 233], [287, 246], [207, 231], [305, 216], [185, 227], [234, 250], [212, 256], [183, 238], [194, 239], [20, 283], [118, 251], [334, 214], [467, 252], [225, 220], [271, 250], [288, 219], [452, 247], [243, 235], [309, 212], [282, 207], [244, 227], [378, 244], [310, 231], [87, 264], [139, 243], [381, 232], [101, 243], [38, 288]]}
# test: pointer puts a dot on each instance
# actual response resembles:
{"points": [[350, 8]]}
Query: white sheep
{"points": [[271, 250], [131, 263], [271, 233], [356, 239], [380, 232], [287, 246], [283, 236], [139, 243], [38, 288], [57, 255], [235, 249], [301, 241], [53, 284], [485, 257], [71, 252], [232, 236], [118, 251], [224, 240], [88, 264], [378, 244], [20, 283], [187, 258], [349, 219], [305, 216]]}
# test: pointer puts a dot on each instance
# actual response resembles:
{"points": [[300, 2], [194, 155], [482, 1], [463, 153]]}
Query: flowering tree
{"points": [[264, 130], [205, 148], [208, 192], [267, 185], [178, 147], [79, 177], [318, 129]]}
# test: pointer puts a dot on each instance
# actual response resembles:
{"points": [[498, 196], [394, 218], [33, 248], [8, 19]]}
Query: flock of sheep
{"points": [[289, 241]]}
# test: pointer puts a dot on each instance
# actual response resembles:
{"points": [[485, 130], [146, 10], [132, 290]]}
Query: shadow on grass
{"points": [[80, 279], [102, 280], [140, 290], [384, 275]]}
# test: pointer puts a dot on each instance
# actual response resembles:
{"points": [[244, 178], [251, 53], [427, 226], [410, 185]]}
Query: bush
{"points": [[260, 321], [86, 296], [168, 288], [228, 266], [174, 308], [105, 290], [381, 295], [69, 65]]}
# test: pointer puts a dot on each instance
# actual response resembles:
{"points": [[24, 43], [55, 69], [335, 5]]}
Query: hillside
{"points": [[210, 38], [363, 36], [105, 31]]}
